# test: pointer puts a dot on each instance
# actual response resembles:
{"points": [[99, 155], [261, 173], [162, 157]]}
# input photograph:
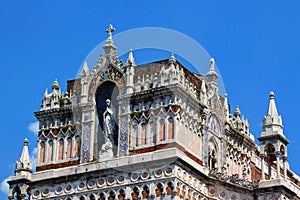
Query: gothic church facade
{"points": [[151, 131]]}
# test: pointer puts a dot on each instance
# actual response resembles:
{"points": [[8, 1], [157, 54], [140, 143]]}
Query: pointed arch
{"points": [[161, 129], [107, 90], [50, 151], [171, 128], [76, 147], [143, 134], [69, 148], [60, 153], [134, 133], [42, 152], [212, 153], [152, 131]]}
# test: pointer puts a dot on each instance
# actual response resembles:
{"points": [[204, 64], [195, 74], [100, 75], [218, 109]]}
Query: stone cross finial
{"points": [[110, 30]]}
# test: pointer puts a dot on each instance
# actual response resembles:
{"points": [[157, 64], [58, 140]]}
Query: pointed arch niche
{"points": [[106, 90]]}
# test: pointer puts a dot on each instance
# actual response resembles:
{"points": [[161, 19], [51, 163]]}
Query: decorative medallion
{"points": [[36, 193], [233, 197], [101, 182], [134, 177], [145, 175], [168, 171], [58, 190], [158, 173], [91, 184], [45, 192], [223, 194], [68, 188], [212, 191], [121, 179], [110, 180], [81, 186]]}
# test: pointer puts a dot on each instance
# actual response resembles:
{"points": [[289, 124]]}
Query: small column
{"points": [[262, 156], [278, 163], [284, 158]]}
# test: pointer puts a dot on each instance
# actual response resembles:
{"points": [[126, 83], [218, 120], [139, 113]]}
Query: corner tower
{"points": [[19, 183], [273, 143]]}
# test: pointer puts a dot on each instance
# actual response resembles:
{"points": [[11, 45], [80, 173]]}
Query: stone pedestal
{"points": [[106, 152]]}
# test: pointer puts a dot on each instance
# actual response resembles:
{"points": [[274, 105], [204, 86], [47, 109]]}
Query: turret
{"points": [[273, 143], [130, 65], [18, 185], [52, 100]]}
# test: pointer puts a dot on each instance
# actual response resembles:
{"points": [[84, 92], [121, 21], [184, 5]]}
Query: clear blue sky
{"points": [[255, 44]]}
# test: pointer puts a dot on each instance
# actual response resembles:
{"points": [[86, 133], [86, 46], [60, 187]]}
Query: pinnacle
{"points": [[272, 110], [130, 59]]}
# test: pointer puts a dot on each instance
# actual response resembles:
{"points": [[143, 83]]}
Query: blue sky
{"points": [[255, 44]]}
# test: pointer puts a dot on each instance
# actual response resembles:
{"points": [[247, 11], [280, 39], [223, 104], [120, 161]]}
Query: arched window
{"points": [[69, 148], [60, 149], [212, 160], [17, 193], [82, 198], [50, 150], [143, 134], [111, 196], [121, 195], [170, 128], [182, 133], [161, 130], [92, 197], [101, 196], [134, 136], [151, 134], [145, 192], [42, 152], [135, 193], [76, 147]]}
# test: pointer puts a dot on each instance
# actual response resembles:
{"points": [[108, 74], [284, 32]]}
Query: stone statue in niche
{"points": [[109, 123], [109, 131]]}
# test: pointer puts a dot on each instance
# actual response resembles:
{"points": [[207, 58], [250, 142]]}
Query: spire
{"points": [[272, 119], [130, 60], [272, 123], [85, 70], [109, 47], [212, 74], [272, 111], [24, 165], [46, 92], [25, 155]]}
